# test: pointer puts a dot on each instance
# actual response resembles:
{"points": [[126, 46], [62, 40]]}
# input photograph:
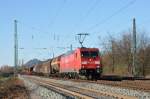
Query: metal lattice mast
{"points": [[134, 49], [15, 47]]}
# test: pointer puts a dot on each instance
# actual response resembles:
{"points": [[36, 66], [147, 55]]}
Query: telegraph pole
{"points": [[134, 68], [15, 48]]}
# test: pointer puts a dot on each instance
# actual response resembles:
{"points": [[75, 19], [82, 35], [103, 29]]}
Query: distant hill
{"points": [[32, 62]]}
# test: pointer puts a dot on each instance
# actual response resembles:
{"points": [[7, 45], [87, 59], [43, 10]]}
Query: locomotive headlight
{"points": [[97, 62], [98, 66], [84, 62], [82, 66]]}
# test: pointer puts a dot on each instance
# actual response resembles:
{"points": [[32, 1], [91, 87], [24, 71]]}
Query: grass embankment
{"points": [[12, 88]]}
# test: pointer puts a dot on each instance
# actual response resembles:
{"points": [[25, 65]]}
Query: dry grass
{"points": [[13, 88]]}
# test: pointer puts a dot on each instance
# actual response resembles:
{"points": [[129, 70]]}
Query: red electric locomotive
{"points": [[83, 61]]}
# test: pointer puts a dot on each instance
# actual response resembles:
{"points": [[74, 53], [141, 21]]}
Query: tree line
{"points": [[117, 55]]}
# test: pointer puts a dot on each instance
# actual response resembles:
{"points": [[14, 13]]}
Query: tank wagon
{"points": [[82, 61]]}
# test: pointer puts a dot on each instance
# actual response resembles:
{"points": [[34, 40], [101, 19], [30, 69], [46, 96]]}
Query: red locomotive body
{"points": [[84, 61]]}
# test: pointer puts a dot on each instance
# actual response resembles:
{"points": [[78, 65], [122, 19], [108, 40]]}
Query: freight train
{"points": [[79, 62]]}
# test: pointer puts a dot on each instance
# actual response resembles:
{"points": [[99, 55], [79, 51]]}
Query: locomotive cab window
{"points": [[89, 54], [85, 54], [94, 54]]}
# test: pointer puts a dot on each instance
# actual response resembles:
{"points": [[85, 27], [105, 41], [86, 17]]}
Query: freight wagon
{"points": [[45, 69]]}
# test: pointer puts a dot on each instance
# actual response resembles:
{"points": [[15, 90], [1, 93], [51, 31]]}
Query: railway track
{"points": [[135, 84], [77, 92]]}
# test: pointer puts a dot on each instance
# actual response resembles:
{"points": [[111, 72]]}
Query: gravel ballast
{"points": [[99, 87], [39, 92], [106, 88]]}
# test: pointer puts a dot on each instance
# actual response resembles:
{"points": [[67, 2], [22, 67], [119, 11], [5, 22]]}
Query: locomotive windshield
{"points": [[85, 54], [93, 54], [89, 54]]}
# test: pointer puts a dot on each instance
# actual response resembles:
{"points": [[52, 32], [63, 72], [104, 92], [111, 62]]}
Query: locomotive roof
{"points": [[68, 53], [84, 48]]}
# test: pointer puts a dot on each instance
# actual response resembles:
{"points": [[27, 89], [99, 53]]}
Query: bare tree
{"points": [[118, 52], [143, 53]]}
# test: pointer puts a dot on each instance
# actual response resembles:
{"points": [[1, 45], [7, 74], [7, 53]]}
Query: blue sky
{"points": [[53, 24]]}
